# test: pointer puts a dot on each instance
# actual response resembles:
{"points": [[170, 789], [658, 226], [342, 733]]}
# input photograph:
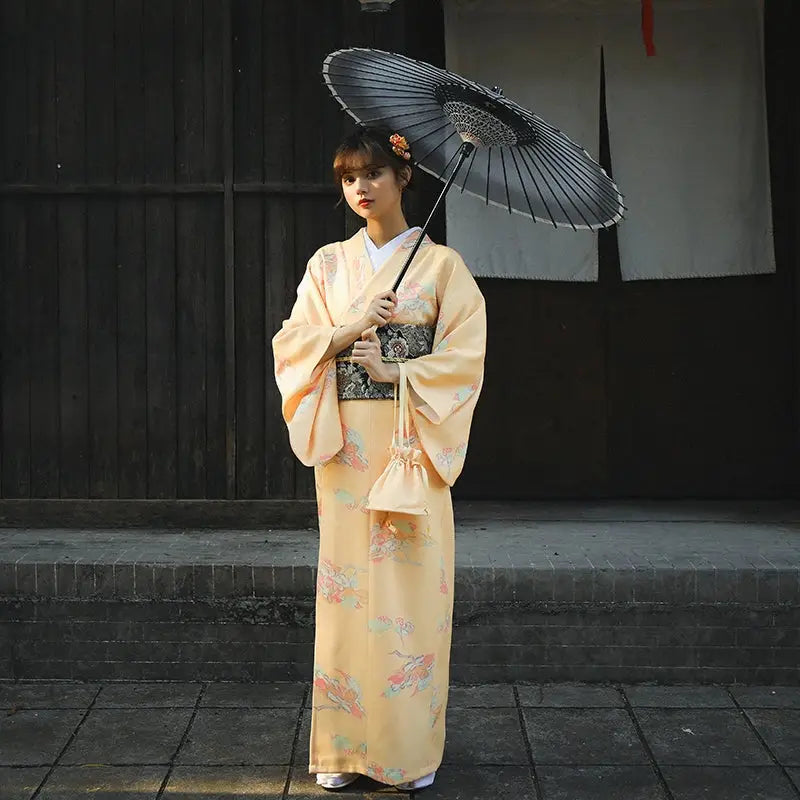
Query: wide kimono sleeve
{"points": [[447, 382], [309, 401]]}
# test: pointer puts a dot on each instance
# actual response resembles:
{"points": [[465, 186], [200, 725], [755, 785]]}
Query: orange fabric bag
{"points": [[403, 485]]}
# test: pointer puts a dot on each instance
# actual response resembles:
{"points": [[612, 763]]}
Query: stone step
{"points": [[698, 595]]}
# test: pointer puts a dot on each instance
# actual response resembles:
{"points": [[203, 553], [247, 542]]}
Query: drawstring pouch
{"points": [[403, 486]]}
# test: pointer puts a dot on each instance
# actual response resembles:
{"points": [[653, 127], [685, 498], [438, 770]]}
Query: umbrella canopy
{"points": [[514, 159]]}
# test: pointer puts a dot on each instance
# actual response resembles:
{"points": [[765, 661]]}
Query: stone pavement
{"points": [[220, 741]]}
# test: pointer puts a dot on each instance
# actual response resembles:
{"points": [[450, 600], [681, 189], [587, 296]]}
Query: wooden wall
{"points": [[165, 176]]}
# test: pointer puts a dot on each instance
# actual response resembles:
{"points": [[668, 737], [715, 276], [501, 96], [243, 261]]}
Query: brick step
{"points": [[689, 600]]}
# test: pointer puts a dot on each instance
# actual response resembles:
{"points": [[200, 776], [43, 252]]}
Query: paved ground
{"points": [[138, 741], [765, 535]]}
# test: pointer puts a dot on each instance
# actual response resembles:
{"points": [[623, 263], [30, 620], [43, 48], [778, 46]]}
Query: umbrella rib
{"points": [[419, 78], [380, 105], [413, 66], [581, 191], [505, 179], [421, 122], [553, 173], [571, 149], [440, 76], [522, 183], [406, 125], [434, 149], [405, 94], [413, 69], [432, 110], [523, 153], [582, 162], [378, 85], [488, 171], [440, 176]]}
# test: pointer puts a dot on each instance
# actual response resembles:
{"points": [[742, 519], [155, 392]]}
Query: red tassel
{"points": [[647, 27]]}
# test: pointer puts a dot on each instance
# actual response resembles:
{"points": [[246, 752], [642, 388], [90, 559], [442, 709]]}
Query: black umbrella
{"points": [[516, 160]]}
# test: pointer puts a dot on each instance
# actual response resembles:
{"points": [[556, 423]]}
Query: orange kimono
{"points": [[385, 580]]}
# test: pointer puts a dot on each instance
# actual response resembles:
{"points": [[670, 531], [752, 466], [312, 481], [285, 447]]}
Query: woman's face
{"points": [[371, 191]]}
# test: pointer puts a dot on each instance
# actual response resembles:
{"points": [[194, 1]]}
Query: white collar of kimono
{"points": [[378, 256]]}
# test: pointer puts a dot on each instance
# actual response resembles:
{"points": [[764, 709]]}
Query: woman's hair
{"points": [[369, 145]]}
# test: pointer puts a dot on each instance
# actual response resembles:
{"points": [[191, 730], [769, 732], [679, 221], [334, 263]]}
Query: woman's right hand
{"points": [[380, 310]]}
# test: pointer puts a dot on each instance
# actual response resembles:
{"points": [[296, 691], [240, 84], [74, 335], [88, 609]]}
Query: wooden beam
{"points": [[238, 514]]}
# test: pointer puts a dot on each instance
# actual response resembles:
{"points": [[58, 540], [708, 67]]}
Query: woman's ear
{"points": [[404, 177]]}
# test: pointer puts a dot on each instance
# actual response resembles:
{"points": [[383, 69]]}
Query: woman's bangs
{"points": [[349, 159]]}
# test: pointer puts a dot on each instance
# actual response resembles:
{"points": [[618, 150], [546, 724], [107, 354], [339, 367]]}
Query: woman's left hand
{"points": [[367, 352]]}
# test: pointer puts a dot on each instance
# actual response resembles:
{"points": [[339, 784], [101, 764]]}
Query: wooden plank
{"points": [[317, 33], [277, 79], [159, 125], [41, 34], [15, 443], [278, 188], [213, 19], [390, 30], [100, 167], [131, 267], [216, 485], [191, 338], [101, 257], [44, 390], [102, 299], [279, 280], [280, 285], [189, 91], [358, 27], [546, 436], [159, 514], [42, 249], [15, 374], [780, 20], [793, 262], [701, 402], [73, 347], [190, 249], [70, 65], [13, 68], [250, 346], [214, 113], [159, 143], [162, 381], [248, 21], [247, 30], [228, 111]]}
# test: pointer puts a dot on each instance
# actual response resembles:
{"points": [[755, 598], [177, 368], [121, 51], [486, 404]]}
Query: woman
{"points": [[385, 579]]}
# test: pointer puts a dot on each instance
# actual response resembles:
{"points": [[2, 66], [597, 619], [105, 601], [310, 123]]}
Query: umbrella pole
{"points": [[464, 152]]}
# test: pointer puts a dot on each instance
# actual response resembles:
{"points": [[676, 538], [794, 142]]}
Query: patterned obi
{"points": [[398, 343]]}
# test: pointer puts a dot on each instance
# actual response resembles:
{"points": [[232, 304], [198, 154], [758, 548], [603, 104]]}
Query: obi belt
{"points": [[398, 343]]}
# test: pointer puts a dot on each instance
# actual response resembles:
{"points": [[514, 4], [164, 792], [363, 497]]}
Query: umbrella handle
{"points": [[464, 152]]}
